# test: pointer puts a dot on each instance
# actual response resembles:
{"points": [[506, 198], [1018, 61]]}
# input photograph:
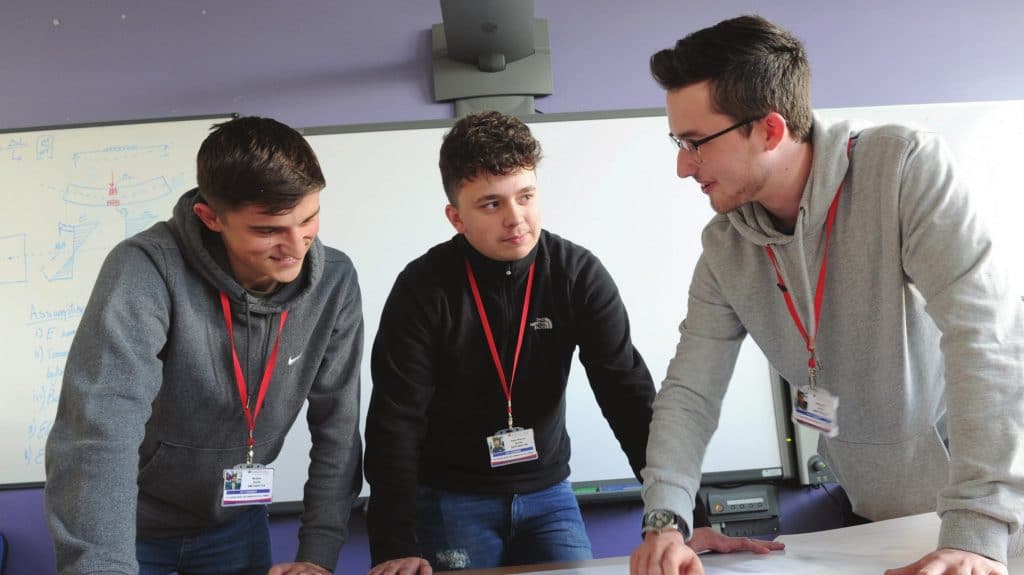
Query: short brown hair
{"points": [[252, 160], [754, 68], [485, 143]]}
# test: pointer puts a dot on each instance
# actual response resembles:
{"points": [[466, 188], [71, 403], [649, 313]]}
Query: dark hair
{"points": [[253, 160], [754, 68], [485, 143]]}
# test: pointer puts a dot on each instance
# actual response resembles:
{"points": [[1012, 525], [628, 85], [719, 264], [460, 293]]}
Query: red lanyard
{"points": [[243, 390], [819, 290], [506, 385]]}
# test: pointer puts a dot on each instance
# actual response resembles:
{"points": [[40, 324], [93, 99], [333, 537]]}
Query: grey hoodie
{"points": [[149, 414], [921, 337]]}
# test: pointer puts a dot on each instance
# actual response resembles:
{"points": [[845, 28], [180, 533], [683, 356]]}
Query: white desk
{"points": [[865, 549], [869, 549]]}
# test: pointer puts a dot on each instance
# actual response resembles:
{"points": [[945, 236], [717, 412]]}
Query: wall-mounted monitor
{"points": [[488, 33]]}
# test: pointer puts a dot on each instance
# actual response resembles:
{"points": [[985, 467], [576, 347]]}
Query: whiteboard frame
{"points": [[213, 118]]}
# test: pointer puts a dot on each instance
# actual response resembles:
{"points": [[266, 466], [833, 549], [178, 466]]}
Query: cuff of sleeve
{"points": [[659, 495], [322, 551], [381, 551], [970, 531]]}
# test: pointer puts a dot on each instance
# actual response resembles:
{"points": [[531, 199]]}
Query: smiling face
{"points": [[728, 170], [265, 250], [498, 215]]}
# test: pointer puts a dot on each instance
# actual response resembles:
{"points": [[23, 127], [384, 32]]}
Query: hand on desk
{"points": [[404, 566], [667, 554], [707, 539], [298, 569], [951, 562]]}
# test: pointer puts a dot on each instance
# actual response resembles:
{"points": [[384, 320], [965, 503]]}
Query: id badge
{"points": [[510, 446], [816, 408], [246, 485]]}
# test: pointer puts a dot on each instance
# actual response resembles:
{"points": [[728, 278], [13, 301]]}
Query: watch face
{"points": [[660, 518]]}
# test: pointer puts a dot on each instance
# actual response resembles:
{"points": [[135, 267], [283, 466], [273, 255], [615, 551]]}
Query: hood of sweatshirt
{"points": [[204, 251], [754, 223], [830, 164]]}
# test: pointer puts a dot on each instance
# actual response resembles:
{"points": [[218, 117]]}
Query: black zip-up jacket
{"points": [[436, 392]]}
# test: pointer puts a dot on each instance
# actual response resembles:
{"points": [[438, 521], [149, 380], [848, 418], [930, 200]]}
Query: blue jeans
{"points": [[474, 531], [239, 547]]}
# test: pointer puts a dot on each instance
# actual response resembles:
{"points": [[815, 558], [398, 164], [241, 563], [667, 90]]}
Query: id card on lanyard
{"points": [[249, 483], [814, 406], [512, 444]]}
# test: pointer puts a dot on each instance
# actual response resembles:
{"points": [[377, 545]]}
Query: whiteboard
{"points": [[69, 195], [607, 182]]}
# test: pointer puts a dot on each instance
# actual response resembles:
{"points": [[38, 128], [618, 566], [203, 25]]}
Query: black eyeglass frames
{"points": [[692, 146]]}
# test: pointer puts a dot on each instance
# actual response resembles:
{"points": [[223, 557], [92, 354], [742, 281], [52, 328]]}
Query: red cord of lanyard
{"points": [[243, 390], [506, 384], [819, 290]]}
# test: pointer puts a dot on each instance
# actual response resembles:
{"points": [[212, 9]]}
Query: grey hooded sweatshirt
{"points": [[921, 337], [149, 413]]}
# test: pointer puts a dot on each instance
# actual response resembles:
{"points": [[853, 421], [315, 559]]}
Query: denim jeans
{"points": [[239, 547], [474, 531]]}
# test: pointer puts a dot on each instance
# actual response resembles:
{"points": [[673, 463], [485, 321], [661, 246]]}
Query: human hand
{"points": [[707, 539], [664, 554], [403, 566], [951, 562], [302, 568]]}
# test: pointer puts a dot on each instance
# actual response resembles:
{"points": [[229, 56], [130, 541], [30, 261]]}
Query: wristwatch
{"points": [[658, 520]]}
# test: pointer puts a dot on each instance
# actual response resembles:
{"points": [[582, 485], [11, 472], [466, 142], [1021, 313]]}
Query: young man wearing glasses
{"points": [[473, 351], [915, 330]]}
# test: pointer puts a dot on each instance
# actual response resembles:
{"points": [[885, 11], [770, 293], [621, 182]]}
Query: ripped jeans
{"points": [[475, 531]]}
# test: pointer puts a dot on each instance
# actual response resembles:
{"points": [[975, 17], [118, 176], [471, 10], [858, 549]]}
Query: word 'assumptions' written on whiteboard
{"points": [[70, 194]]}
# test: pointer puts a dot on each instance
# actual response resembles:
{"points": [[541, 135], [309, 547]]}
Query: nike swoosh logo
{"points": [[292, 360]]}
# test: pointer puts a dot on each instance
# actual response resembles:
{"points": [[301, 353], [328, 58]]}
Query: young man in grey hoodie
{"points": [[202, 340], [915, 332]]}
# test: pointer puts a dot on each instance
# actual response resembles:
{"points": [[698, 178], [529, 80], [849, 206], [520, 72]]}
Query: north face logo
{"points": [[541, 323]]}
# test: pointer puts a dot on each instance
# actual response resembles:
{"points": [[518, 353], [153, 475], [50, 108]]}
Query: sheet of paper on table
{"points": [[865, 549]]}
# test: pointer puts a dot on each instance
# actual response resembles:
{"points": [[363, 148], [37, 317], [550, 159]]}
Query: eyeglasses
{"points": [[693, 146]]}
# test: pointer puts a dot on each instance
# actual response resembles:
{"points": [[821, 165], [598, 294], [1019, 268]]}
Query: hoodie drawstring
{"points": [[243, 391]]}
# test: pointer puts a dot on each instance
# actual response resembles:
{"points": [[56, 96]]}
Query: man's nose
{"points": [[297, 241], [514, 214], [686, 166]]}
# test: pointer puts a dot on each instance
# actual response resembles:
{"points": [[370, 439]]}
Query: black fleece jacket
{"points": [[436, 392]]}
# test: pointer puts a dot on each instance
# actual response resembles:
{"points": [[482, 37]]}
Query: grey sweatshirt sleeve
{"points": [[949, 255], [112, 375], [335, 471], [687, 407]]}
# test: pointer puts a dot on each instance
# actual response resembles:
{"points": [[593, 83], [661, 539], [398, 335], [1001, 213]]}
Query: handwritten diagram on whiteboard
{"points": [[69, 196]]}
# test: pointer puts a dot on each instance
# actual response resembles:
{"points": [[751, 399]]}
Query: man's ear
{"points": [[774, 130], [452, 213], [209, 217]]}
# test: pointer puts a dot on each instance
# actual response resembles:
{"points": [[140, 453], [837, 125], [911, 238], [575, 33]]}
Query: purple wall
{"points": [[320, 62]]}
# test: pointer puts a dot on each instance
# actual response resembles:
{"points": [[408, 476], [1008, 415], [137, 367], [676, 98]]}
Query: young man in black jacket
{"points": [[475, 343]]}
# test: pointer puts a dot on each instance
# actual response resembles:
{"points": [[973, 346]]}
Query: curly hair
{"points": [[485, 143], [754, 68]]}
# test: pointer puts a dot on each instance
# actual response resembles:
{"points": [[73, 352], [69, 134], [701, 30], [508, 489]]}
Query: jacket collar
{"points": [[487, 268]]}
